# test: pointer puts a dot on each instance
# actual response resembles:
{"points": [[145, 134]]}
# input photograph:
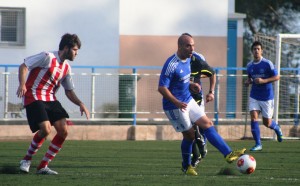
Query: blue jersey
{"points": [[175, 75], [262, 69]]}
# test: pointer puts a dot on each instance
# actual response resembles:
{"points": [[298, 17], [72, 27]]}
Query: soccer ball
{"points": [[246, 164]]}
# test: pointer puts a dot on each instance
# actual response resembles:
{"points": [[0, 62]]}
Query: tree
{"points": [[269, 17]]}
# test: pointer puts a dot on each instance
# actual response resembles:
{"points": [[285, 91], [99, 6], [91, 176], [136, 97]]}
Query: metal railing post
{"points": [[217, 97], [297, 90], [6, 92], [93, 94], [135, 97]]}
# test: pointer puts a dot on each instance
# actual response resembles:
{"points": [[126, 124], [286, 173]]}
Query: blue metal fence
{"points": [[129, 93]]}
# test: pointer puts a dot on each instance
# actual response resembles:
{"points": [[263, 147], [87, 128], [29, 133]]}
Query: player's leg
{"points": [[196, 158], [186, 151], [254, 108], [198, 116], [201, 142], [199, 147], [181, 123], [255, 130], [267, 113], [38, 121], [217, 141], [58, 119]]}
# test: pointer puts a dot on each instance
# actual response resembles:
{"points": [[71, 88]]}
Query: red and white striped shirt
{"points": [[46, 74]]}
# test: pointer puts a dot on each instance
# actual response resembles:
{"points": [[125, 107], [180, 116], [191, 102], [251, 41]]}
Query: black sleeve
{"points": [[206, 69], [198, 67]]}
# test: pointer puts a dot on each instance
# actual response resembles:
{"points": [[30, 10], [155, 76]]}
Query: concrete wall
{"points": [[139, 132]]}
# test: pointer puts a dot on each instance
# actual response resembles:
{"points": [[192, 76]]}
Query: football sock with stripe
{"points": [[34, 146], [54, 148]]}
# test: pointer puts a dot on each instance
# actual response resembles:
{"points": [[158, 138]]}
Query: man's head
{"points": [[185, 46], [257, 50], [69, 46]]}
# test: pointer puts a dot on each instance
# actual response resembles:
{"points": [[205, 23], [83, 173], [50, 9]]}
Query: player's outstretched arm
{"points": [[23, 70], [72, 97]]}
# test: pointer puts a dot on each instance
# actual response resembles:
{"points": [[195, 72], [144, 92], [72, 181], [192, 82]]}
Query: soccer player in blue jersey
{"points": [[182, 110], [261, 74], [200, 69]]}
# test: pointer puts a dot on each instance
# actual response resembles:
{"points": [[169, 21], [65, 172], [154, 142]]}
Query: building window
{"points": [[12, 26]]}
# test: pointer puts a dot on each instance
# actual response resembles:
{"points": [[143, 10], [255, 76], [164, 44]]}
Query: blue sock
{"points": [[275, 127], [217, 141], [255, 132], [186, 150]]}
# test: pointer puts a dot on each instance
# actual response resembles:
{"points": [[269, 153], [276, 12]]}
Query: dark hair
{"points": [[69, 40], [256, 43], [180, 39], [187, 34]]}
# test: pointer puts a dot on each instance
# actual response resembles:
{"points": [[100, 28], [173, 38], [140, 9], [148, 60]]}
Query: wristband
{"points": [[212, 92]]}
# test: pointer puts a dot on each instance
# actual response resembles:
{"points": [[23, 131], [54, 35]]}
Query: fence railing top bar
{"points": [[137, 67]]}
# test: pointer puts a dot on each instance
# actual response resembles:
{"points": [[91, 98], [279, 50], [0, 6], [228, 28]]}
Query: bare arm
{"points": [[23, 70], [164, 91], [212, 83], [248, 81], [72, 97]]}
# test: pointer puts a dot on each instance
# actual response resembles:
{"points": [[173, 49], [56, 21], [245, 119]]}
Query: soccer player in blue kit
{"points": [[261, 74], [182, 110]]}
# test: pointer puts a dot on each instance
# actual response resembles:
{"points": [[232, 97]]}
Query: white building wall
{"points": [[100, 23], [95, 22]]}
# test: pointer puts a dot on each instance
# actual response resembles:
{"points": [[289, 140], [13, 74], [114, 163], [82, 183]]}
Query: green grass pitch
{"points": [[148, 163]]}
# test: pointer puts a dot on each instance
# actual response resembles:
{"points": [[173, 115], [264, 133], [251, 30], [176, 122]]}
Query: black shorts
{"points": [[40, 111]]}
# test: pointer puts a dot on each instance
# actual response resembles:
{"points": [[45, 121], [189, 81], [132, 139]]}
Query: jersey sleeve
{"points": [[166, 75], [67, 82], [272, 69], [39, 60], [206, 69], [200, 66]]}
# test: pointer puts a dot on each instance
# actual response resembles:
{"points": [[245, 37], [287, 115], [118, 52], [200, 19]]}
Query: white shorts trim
{"points": [[266, 107], [183, 120]]}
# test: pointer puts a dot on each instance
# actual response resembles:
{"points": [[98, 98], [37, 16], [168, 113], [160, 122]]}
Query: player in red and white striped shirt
{"points": [[47, 72]]}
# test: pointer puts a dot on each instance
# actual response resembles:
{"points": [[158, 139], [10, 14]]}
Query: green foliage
{"points": [[148, 163], [269, 17]]}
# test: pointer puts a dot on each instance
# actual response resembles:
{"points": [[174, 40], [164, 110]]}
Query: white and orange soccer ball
{"points": [[246, 164]]}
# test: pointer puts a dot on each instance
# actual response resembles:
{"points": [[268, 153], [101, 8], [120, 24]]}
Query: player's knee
{"points": [[189, 134], [44, 132], [62, 132], [208, 124]]}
